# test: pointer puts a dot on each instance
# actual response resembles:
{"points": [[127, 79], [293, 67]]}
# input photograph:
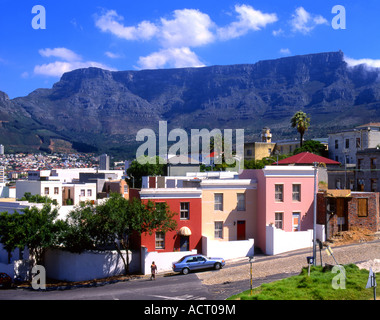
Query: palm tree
{"points": [[301, 121]]}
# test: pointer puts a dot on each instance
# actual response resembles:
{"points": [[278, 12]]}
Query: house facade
{"points": [[343, 145], [285, 199], [187, 204], [341, 210], [229, 209]]}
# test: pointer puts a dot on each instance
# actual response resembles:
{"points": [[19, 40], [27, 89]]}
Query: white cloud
{"points": [[63, 53], [186, 29], [110, 22], [285, 51], [304, 22], [249, 19], [371, 63], [112, 55], [71, 61], [171, 57], [277, 32], [189, 27]]}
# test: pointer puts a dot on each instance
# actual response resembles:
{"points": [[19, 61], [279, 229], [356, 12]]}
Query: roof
{"points": [[306, 158]]}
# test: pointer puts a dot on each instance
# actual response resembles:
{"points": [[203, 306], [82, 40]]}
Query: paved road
{"points": [[167, 287], [170, 287]]}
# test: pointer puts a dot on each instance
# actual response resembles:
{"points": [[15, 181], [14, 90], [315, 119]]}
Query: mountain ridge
{"points": [[103, 110]]}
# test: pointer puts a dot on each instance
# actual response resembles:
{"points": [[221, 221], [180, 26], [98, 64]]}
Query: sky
{"points": [[41, 40]]}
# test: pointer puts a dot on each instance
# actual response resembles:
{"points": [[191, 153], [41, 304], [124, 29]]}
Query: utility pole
{"points": [[315, 164]]}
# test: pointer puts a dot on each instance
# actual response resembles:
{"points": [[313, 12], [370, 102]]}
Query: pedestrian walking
{"points": [[153, 269]]}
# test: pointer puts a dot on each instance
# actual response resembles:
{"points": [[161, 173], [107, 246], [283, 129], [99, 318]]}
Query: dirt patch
{"points": [[354, 235], [374, 264]]}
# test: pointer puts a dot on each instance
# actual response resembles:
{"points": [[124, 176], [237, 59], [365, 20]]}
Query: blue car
{"points": [[195, 262]]}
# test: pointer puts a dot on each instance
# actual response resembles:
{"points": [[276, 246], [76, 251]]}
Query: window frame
{"points": [[240, 201], [159, 242], [279, 192], [279, 223], [185, 211], [296, 194], [218, 232], [218, 206]]}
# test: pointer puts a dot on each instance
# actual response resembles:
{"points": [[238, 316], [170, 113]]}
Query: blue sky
{"points": [[136, 35]]}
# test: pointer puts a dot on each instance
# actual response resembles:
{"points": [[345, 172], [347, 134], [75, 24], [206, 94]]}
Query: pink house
{"points": [[285, 196]]}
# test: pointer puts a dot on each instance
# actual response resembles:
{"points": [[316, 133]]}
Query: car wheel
{"points": [[185, 270], [217, 266]]}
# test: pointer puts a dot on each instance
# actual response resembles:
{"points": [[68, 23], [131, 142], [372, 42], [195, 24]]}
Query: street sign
{"points": [[371, 283]]}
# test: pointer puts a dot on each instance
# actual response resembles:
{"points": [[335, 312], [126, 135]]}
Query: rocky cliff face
{"points": [[106, 109]]}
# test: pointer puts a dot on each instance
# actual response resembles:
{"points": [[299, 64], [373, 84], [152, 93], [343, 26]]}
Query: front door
{"points": [[184, 243], [296, 221], [241, 230]]}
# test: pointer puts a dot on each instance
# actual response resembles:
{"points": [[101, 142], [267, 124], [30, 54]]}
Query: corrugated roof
{"points": [[307, 158]]}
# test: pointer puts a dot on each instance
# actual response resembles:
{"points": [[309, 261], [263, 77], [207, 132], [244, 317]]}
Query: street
{"points": [[168, 287]]}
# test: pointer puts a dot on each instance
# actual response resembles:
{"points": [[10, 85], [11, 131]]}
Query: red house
{"points": [[187, 203]]}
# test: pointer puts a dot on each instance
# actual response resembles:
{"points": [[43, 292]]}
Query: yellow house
{"points": [[229, 209]]}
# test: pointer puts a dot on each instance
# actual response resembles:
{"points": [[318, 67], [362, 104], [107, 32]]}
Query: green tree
{"points": [[312, 146], [42, 230], [301, 122], [35, 228], [11, 232], [137, 170], [79, 230], [113, 223]]}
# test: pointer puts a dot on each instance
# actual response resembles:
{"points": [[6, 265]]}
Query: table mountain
{"points": [[103, 110]]}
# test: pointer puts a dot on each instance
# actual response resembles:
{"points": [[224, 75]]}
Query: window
{"points": [[347, 143], [278, 220], [56, 190], [249, 152], [240, 202], [338, 183], [357, 142], [360, 162], [218, 201], [126, 188], [296, 195], [46, 190], [218, 227], [373, 185], [336, 144], [362, 207], [185, 212], [373, 163], [82, 192], [89, 193], [279, 192], [160, 240]]}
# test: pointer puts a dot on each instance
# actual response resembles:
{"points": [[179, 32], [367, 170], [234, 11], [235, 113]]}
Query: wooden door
{"points": [[241, 230]]}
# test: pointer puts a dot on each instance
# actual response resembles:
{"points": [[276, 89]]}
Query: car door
{"points": [[202, 263], [192, 263]]}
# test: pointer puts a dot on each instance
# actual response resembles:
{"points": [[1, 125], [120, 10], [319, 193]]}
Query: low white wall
{"points": [[63, 265], [8, 269], [163, 260], [279, 241], [227, 249]]}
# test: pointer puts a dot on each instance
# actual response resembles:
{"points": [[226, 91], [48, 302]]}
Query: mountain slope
{"points": [[105, 109]]}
